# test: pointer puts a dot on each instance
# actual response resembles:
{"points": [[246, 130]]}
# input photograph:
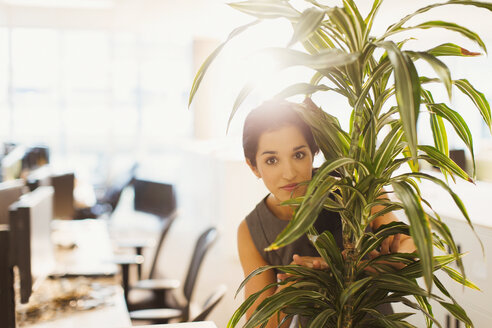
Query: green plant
{"points": [[343, 55]]}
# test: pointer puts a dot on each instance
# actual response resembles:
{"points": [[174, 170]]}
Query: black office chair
{"points": [[180, 311], [159, 199]]}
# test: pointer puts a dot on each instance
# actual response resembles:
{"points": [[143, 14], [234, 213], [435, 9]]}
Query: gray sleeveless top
{"points": [[264, 227]]}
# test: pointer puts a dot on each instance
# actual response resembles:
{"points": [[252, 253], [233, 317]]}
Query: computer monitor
{"points": [[30, 225], [154, 197], [10, 191], [63, 185]]}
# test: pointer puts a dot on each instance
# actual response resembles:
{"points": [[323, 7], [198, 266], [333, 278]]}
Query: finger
{"points": [[316, 264], [282, 276], [373, 254], [395, 245], [303, 260], [297, 259], [385, 246]]}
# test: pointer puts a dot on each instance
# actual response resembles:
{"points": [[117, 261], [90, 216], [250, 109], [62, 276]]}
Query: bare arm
{"points": [[250, 260]]}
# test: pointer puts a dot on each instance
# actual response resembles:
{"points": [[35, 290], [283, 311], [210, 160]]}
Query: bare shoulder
{"points": [[243, 230], [244, 241], [248, 254]]}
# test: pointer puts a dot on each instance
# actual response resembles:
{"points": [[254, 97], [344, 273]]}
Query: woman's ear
{"points": [[253, 168]]}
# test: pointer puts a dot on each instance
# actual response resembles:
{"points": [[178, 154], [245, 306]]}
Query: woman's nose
{"points": [[289, 171]]}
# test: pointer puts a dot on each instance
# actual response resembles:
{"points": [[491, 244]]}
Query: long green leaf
{"points": [[327, 247], [322, 318], [445, 162], [458, 312], [304, 218], [459, 125], [308, 23], [414, 270], [457, 200], [451, 49], [203, 69], [273, 304], [456, 276], [369, 20], [352, 289], [304, 88], [323, 60], [479, 4], [449, 26], [444, 231], [241, 311], [357, 21], [407, 93], [345, 27], [439, 133], [254, 273], [478, 99], [419, 228], [398, 283], [243, 94], [266, 9], [439, 67], [386, 151]]}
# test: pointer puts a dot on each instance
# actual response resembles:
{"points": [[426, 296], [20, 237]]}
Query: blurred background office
{"points": [[104, 84]]}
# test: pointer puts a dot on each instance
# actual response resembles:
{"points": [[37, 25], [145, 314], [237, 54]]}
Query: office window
{"points": [[87, 90], [35, 81], [94, 95], [165, 79]]}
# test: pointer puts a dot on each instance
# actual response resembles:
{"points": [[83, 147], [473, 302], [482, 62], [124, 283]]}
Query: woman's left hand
{"points": [[307, 261], [310, 262]]}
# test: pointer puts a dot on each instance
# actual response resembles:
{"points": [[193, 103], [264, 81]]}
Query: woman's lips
{"points": [[289, 187]]}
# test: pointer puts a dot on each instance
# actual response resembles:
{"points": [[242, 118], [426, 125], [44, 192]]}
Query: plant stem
{"points": [[350, 257]]}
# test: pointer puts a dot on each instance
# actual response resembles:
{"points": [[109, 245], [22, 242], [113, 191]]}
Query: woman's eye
{"points": [[299, 155], [271, 160]]}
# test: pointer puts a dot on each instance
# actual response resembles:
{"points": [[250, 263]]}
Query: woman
{"points": [[279, 148]]}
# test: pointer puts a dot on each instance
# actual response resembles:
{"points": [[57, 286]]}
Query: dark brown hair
{"points": [[269, 116]]}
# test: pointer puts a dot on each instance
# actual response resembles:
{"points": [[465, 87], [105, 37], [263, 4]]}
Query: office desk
{"points": [[85, 278], [115, 315]]}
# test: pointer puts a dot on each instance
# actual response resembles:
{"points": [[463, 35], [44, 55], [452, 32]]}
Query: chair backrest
{"points": [[154, 197], [166, 225], [202, 246], [211, 302]]}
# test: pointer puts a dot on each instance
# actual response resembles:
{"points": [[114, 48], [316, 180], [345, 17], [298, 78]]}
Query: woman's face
{"points": [[283, 160]]}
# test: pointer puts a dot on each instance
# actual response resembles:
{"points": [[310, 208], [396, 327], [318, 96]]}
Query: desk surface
{"points": [[92, 257], [92, 253], [113, 315]]}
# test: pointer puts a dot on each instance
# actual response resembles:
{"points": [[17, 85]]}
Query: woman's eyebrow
{"points": [[272, 152], [269, 152]]}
